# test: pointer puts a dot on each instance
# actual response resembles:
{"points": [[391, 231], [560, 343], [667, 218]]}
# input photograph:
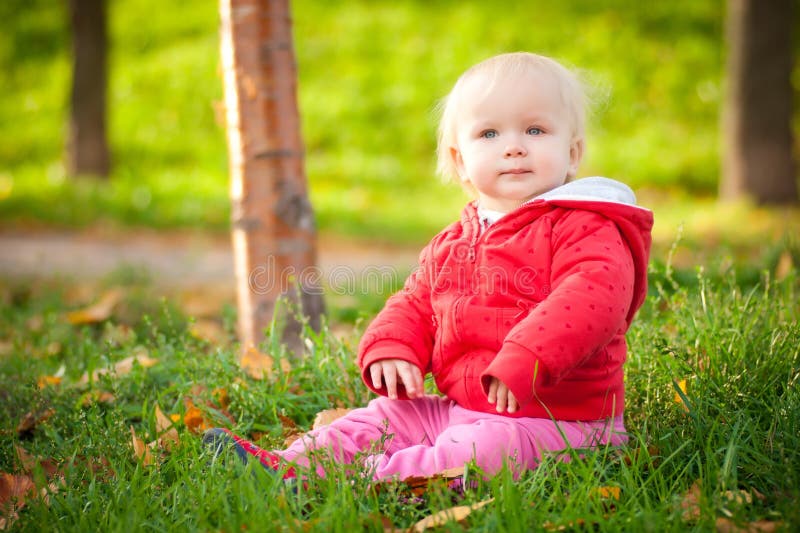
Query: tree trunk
{"points": [[273, 231], [757, 137], [87, 146]]}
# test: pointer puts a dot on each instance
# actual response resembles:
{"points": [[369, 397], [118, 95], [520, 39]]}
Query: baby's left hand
{"points": [[502, 397]]}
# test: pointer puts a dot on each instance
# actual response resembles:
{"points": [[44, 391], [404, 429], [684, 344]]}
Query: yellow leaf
{"points": [[677, 398], [47, 381], [96, 312], [327, 416], [140, 450], [194, 419], [610, 493], [259, 365], [453, 514], [168, 435]]}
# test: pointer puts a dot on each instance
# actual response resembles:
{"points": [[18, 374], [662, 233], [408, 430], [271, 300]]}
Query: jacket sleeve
{"points": [[592, 278], [404, 328]]}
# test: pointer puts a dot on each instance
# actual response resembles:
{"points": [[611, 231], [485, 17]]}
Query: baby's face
{"points": [[514, 139]]}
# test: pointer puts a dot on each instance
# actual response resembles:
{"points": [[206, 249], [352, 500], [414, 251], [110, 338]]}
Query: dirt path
{"points": [[171, 259]]}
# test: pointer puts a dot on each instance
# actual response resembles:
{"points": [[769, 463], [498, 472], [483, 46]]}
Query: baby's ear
{"points": [[458, 163], [575, 156]]}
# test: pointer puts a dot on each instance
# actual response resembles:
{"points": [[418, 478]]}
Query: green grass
{"points": [[734, 339], [370, 74]]}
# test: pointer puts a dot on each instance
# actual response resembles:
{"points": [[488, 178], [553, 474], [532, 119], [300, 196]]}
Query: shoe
{"points": [[220, 440]]}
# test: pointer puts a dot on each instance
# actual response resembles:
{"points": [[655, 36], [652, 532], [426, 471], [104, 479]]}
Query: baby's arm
{"points": [[390, 370]]}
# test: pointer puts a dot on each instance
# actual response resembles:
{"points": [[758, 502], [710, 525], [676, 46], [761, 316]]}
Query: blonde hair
{"points": [[503, 66]]}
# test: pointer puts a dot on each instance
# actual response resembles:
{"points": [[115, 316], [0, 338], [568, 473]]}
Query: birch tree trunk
{"points": [[757, 157], [87, 143], [273, 230]]}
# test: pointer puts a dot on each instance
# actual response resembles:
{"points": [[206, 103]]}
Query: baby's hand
{"points": [[502, 397], [389, 370]]}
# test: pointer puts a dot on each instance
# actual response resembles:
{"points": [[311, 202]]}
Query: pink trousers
{"points": [[402, 438]]}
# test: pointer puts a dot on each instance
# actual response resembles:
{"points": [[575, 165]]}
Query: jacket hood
{"points": [[596, 189], [616, 201]]}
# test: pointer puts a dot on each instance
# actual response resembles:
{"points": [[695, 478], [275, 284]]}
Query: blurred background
{"points": [[370, 75]]}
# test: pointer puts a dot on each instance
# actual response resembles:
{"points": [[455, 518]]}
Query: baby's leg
{"points": [[494, 440], [384, 426]]}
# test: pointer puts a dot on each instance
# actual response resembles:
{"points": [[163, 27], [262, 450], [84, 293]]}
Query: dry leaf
{"points": [[677, 398], [259, 365], [141, 451], [610, 493], [455, 514], [419, 485], [221, 396], [48, 381], [30, 463], [690, 504], [167, 434], [209, 331], [121, 367], [97, 312], [14, 491], [725, 525], [327, 416], [194, 419], [97, 396], [33, 419], [784, 267]]}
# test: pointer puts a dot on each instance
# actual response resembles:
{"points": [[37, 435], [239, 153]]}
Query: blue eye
{"points": [[489, 134], [534, 131]]}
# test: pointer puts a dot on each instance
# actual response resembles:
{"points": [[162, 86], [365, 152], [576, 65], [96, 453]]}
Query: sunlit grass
{"points": [[732, 427]]}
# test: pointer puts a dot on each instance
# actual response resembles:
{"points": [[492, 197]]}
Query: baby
{"points": [[518, 310]]}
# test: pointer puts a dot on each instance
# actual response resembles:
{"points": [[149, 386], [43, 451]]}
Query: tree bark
{"points": [[87, 144], [757, 136], [273, 230]]}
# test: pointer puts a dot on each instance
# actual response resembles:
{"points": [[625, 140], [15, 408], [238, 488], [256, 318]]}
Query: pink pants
{"points": [[427, 435]]}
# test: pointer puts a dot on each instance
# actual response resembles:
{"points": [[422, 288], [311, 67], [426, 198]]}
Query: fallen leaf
{"points": [[327, 416], [221, 396], [48, 381], [14, 493], [259, 365], [122, 367], [140, 450], [681, 385], [784, 267], [419, 485], [690, 504], [726, 525], [609, 493], [194, 419], [96, 396], [167, 434], [210, 331], [30, 463], [454, 514], [33, 419], [96, 312]]}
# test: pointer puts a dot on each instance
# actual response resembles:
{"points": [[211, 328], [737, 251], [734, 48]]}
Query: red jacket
{"points": [[541, 300]]}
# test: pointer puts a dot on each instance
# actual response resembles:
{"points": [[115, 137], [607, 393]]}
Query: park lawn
{"points": [[713, 410]]}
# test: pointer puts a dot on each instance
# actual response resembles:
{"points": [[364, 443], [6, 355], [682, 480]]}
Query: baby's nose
{"points": [[515, 150]]}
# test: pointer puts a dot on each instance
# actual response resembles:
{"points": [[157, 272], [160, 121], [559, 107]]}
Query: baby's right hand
{"points": [[389, 370]]}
